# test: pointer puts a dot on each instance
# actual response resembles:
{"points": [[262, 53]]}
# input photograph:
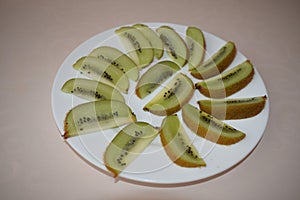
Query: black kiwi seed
{"points": [[163, 76], [107, 76], [230, 75], [115, 64], [133, 40], [169, 45]]}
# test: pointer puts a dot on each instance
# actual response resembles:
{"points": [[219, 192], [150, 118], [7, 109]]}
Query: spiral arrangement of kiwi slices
{"points": [[111, 70]]}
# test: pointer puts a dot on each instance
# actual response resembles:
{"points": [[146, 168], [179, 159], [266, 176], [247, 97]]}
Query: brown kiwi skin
{"points": [[220, 68], [114, 172], [228, 90], [176, 159], [209, 135], [234, 112], [66, 134]]}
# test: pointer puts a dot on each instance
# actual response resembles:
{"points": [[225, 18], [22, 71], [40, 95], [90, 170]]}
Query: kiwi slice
{"points": [[102, 71], [151, 79], [96, 115], [233, 108], [137, 45], [172, 97], [91, 90], [153, 38], [177, 144], [209, 127], [196, 44], [174, 44], [118, 59], [228, 82], [127, 145], [217, 63]]}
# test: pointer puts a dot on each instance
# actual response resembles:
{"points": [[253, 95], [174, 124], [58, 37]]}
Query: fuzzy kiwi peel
{"points": [[137, 45], [239, 108], [217, 63], [91, 90], [117, 58], [209, 127], [172, 97], [228, 82], [95, 116], [127, 145], [102, 71], [196, 44], [150, 80], [153, 38], [178, 145], [174, 44]]}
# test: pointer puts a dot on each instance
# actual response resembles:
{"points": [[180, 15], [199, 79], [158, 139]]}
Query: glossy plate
{"points": [[153, 167]]}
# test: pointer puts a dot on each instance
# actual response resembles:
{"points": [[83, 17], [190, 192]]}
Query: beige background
{"points": [[35, 38]]}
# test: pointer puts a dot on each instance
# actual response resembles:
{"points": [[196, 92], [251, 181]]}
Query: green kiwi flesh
{"points": [[172, 97], [118, 59], [217, 63], [91, 90], [137, 45], [127, 145], [233, 108], [209, 127], [228, 82], [97, 115], [178, 145], [102, 71], [196, 44], [174, 45], [153, 38], [154, 77]]}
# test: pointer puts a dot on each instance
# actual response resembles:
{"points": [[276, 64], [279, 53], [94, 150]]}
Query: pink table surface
{"points": [[35, 38]]}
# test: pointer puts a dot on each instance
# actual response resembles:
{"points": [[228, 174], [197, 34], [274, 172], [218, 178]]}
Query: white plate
{"points": [[153, 167]]}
